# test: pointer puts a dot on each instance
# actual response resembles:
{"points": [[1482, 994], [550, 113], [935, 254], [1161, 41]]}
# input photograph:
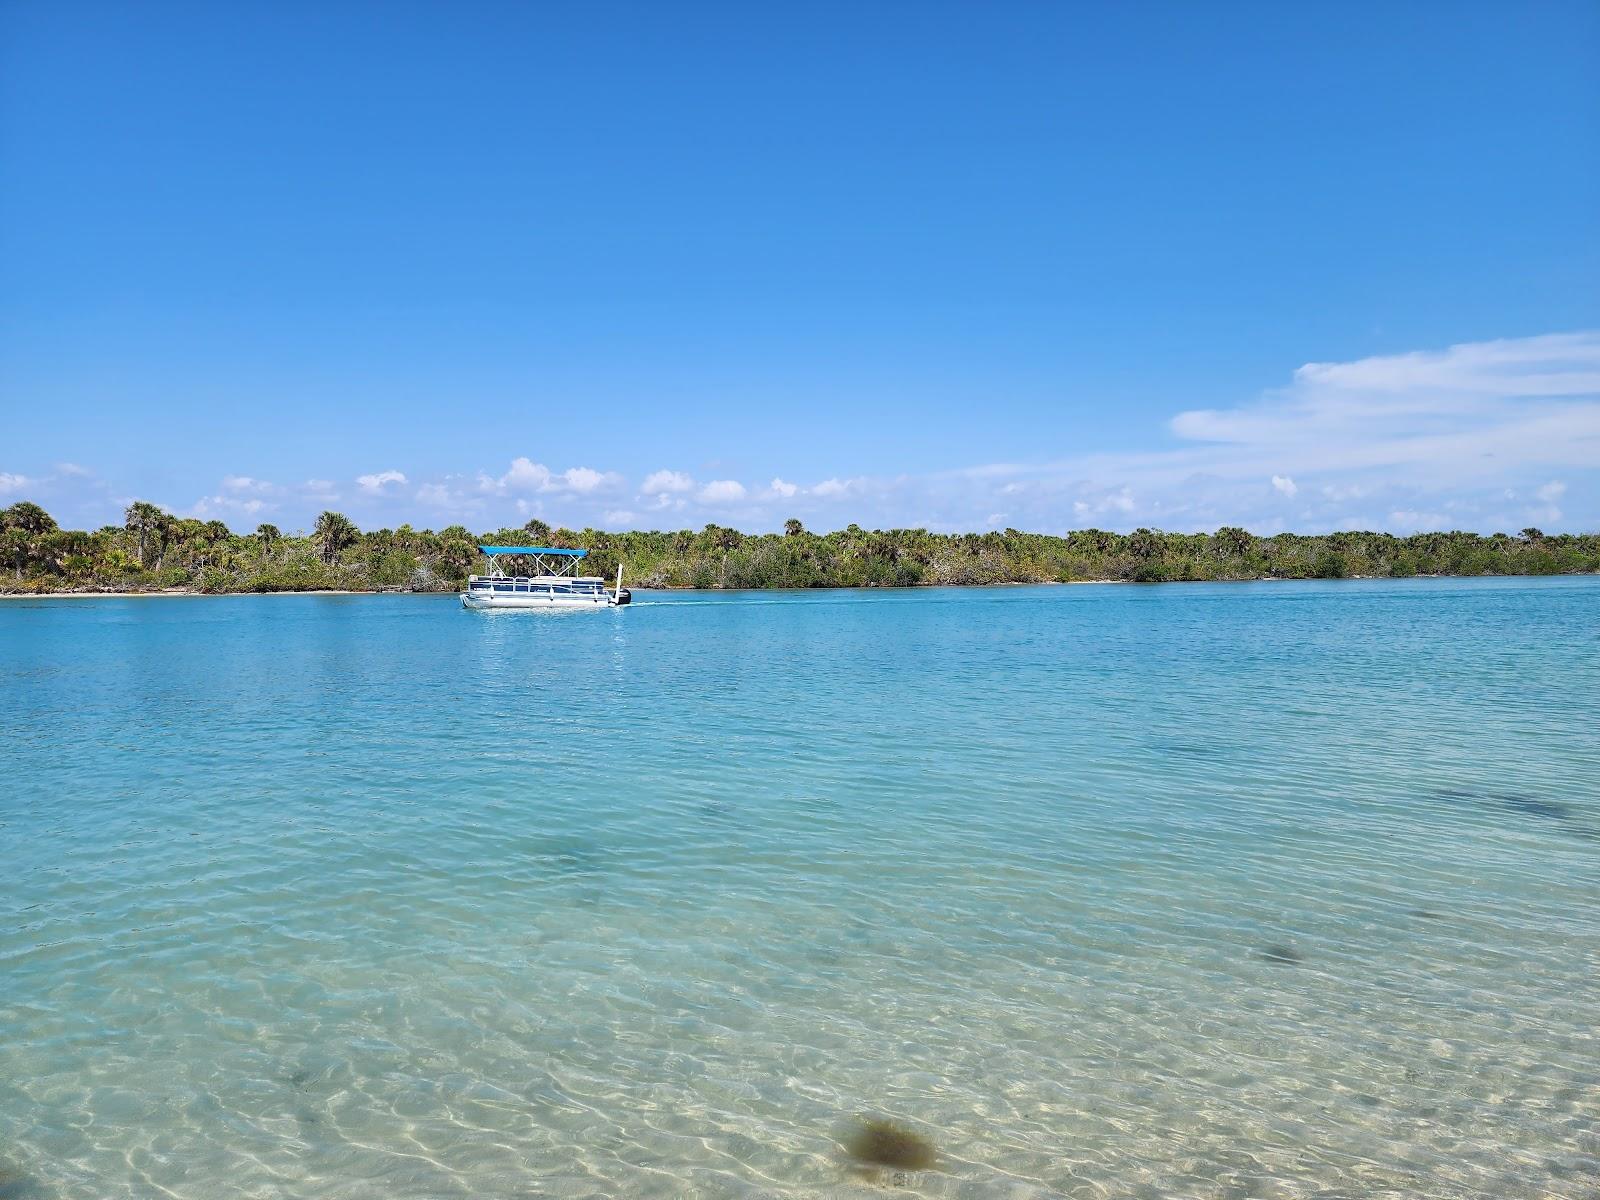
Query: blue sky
{"points": [[953, 265]]}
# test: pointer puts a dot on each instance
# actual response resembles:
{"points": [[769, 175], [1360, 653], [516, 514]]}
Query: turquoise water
{"points": [[1270, 890]]}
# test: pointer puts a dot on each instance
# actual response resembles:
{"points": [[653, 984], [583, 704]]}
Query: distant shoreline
{"points": [[185, 593], [189, 593], [155, 552]]}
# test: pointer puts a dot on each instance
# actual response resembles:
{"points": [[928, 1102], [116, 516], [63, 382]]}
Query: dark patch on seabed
{"points": [[1552, 810], [875, 1143], [1559, 812], [15, 1185], [1284, 956]]}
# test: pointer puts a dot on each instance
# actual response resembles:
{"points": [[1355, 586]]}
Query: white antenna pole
{"points": [[617, 595]]}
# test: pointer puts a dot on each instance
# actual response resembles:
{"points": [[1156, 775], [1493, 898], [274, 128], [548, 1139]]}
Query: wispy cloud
{"points": [[240, 499], [1477, 435], [1116, 502], [244, 483], [1459, 425], [1463, 413], [374, 484], [222, 506], [434, 495], [832, 488]]}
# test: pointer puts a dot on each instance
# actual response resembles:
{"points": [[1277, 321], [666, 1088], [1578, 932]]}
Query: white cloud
{"points": [[451, 494], [1462, 413], [664, 482], [1557, 364], [209, 507], [1469, 437], [1341, 492], [73, 470], [1403, 435], [524, 475], [435, 494], [1118, 501], [374, 484], [13, 483], [1547, 510], [619, 518], [722, 491], [528, 477], [319, 492], [583, 479]]}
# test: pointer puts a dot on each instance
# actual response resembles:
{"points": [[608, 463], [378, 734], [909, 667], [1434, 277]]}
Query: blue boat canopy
{"points": [[532, 550]]}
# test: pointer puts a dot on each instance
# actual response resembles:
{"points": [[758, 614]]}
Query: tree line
{"points": [[153, 550]]}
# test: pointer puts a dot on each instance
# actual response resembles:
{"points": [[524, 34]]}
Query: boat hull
{"points": [[533, 600], [492, 592]]}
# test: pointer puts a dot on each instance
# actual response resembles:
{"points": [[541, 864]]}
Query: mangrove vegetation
{"points": [[153, 550]]}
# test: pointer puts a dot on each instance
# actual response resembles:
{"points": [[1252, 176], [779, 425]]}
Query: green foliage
{"points": [[1331, 565], [149, 527], [334, 532], [153, 549], [27, 518]]}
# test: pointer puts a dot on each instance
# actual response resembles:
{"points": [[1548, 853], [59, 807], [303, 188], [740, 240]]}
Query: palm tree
{"points": [[16, 548], [268, 535], [28, 517], [148, 524], [793, 528], [334, 532]]}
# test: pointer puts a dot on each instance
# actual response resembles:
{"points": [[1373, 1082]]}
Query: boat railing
{"points": [[504, 583]]}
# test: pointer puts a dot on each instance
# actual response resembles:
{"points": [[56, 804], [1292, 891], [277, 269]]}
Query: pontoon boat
{"points": [[555, 585]]}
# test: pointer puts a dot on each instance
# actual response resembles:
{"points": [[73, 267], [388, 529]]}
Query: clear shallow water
{"points": [[371, 897]]}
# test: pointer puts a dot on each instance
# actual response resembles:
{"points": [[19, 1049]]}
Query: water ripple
{"points": [[1215, 891]]}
